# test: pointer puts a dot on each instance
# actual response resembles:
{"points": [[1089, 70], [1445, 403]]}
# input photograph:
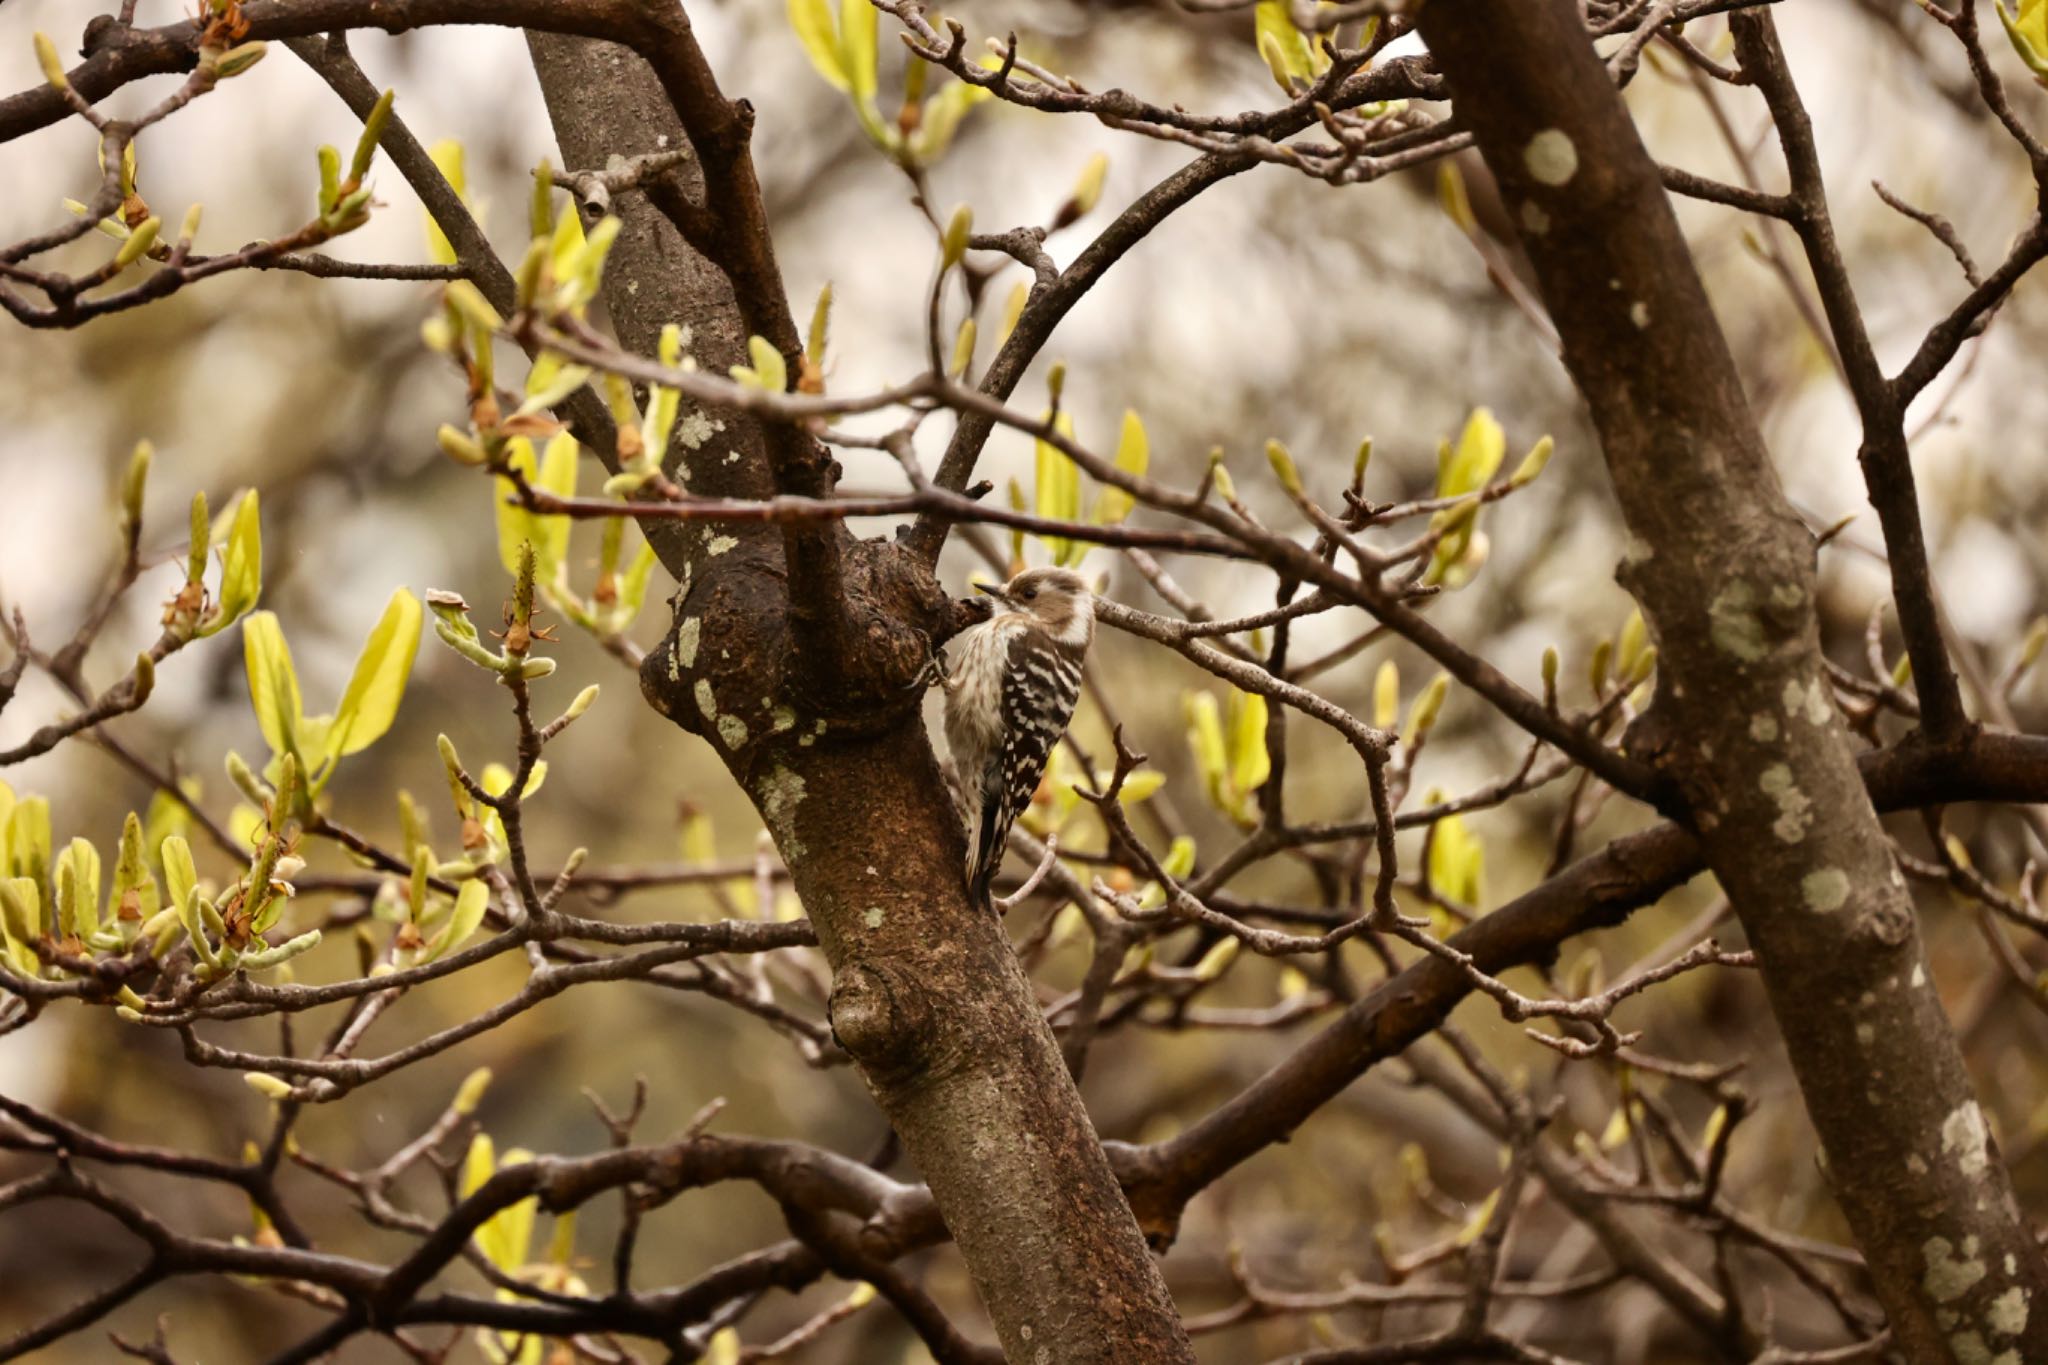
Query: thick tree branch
{"points": [[1743, 720]]}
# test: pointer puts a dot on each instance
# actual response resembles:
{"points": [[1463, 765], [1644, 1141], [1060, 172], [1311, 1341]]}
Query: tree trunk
{"points": [[927, 995], [1742, 721]]}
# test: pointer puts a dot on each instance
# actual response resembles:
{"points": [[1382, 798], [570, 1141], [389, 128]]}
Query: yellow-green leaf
{"points": [[78, 888], [370, 703], [180, 877], [858, 34], [28, 838], [1481, 447], [547, 533], [506, 1237], [1284, 46], [273, 684], [447, 157], [131, 874], [941, 119], [1141, 784], [470, 904], [633, 587], [1386, 696], [812, 20], [241, 579], [2028, 32], [1205, 738], [21, 919], [1457, 862], [1058, 490], [1250, 764], [1133, 456]]}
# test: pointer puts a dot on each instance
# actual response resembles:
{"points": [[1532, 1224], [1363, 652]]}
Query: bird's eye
{"points": [[1029, 593]]}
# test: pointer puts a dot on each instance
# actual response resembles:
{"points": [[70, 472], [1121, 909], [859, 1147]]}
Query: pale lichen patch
{"points": [[1795, 810], [1763, 728], [707, 700], [1639, 314], [1825, 890], [732, 730], [1733, 623], [693, 429], [1534, 219], [780, 719], [874, 917], [1809, 700], [1551, 157], [2007, 1314], [1950, 1276], [780, 792], [689, 631], [1919, 976], [1964, 1136], [1866, 1033], [718, 545]]}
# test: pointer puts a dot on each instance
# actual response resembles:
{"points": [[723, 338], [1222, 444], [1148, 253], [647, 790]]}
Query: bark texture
{"points": [[1743, 723], [801, 675]]}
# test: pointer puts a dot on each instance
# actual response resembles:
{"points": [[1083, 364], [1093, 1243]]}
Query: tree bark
{"points": [[1742, 721], [927, 995]]}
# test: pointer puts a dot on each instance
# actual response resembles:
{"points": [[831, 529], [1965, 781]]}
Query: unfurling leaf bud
{"points": [[1532, 464], [471, 1093], [373, 132], [53, 69], [267, 1085], [282, 953], [821, 325], [1596, 669], [236, 60], [134, 480], [1386, 696], [1283, 467], [139, 241], [1423, 714], [144, 679], [460, 446], [963, 349], [1218, 959], [1088, 189], [330, 178], [582, 702], [953, 243], [202, 528], [768, 364], [1221, 477]]}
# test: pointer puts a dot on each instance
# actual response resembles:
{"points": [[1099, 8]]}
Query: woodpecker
{"points": [[1008, 701]]}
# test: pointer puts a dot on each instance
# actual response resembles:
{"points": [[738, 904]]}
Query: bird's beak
{"points": [[992, 590]]}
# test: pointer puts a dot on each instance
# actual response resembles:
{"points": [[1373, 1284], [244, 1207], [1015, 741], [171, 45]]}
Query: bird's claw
{"points": [[933, 671]]}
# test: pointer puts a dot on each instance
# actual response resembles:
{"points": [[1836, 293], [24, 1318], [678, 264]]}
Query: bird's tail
{"points": [[984, 856]]}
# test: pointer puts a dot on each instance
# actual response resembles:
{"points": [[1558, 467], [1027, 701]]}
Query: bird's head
{"points": [[1058, 599]]}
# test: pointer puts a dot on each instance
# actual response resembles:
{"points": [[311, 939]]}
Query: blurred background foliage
{"points": [[1274, 307]]}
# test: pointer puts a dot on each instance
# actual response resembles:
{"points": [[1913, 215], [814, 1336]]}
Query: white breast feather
{"points": [[974, 696]]}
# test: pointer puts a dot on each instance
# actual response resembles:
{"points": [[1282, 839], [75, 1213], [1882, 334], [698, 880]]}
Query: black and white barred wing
{"points": [[1041, 685]]}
